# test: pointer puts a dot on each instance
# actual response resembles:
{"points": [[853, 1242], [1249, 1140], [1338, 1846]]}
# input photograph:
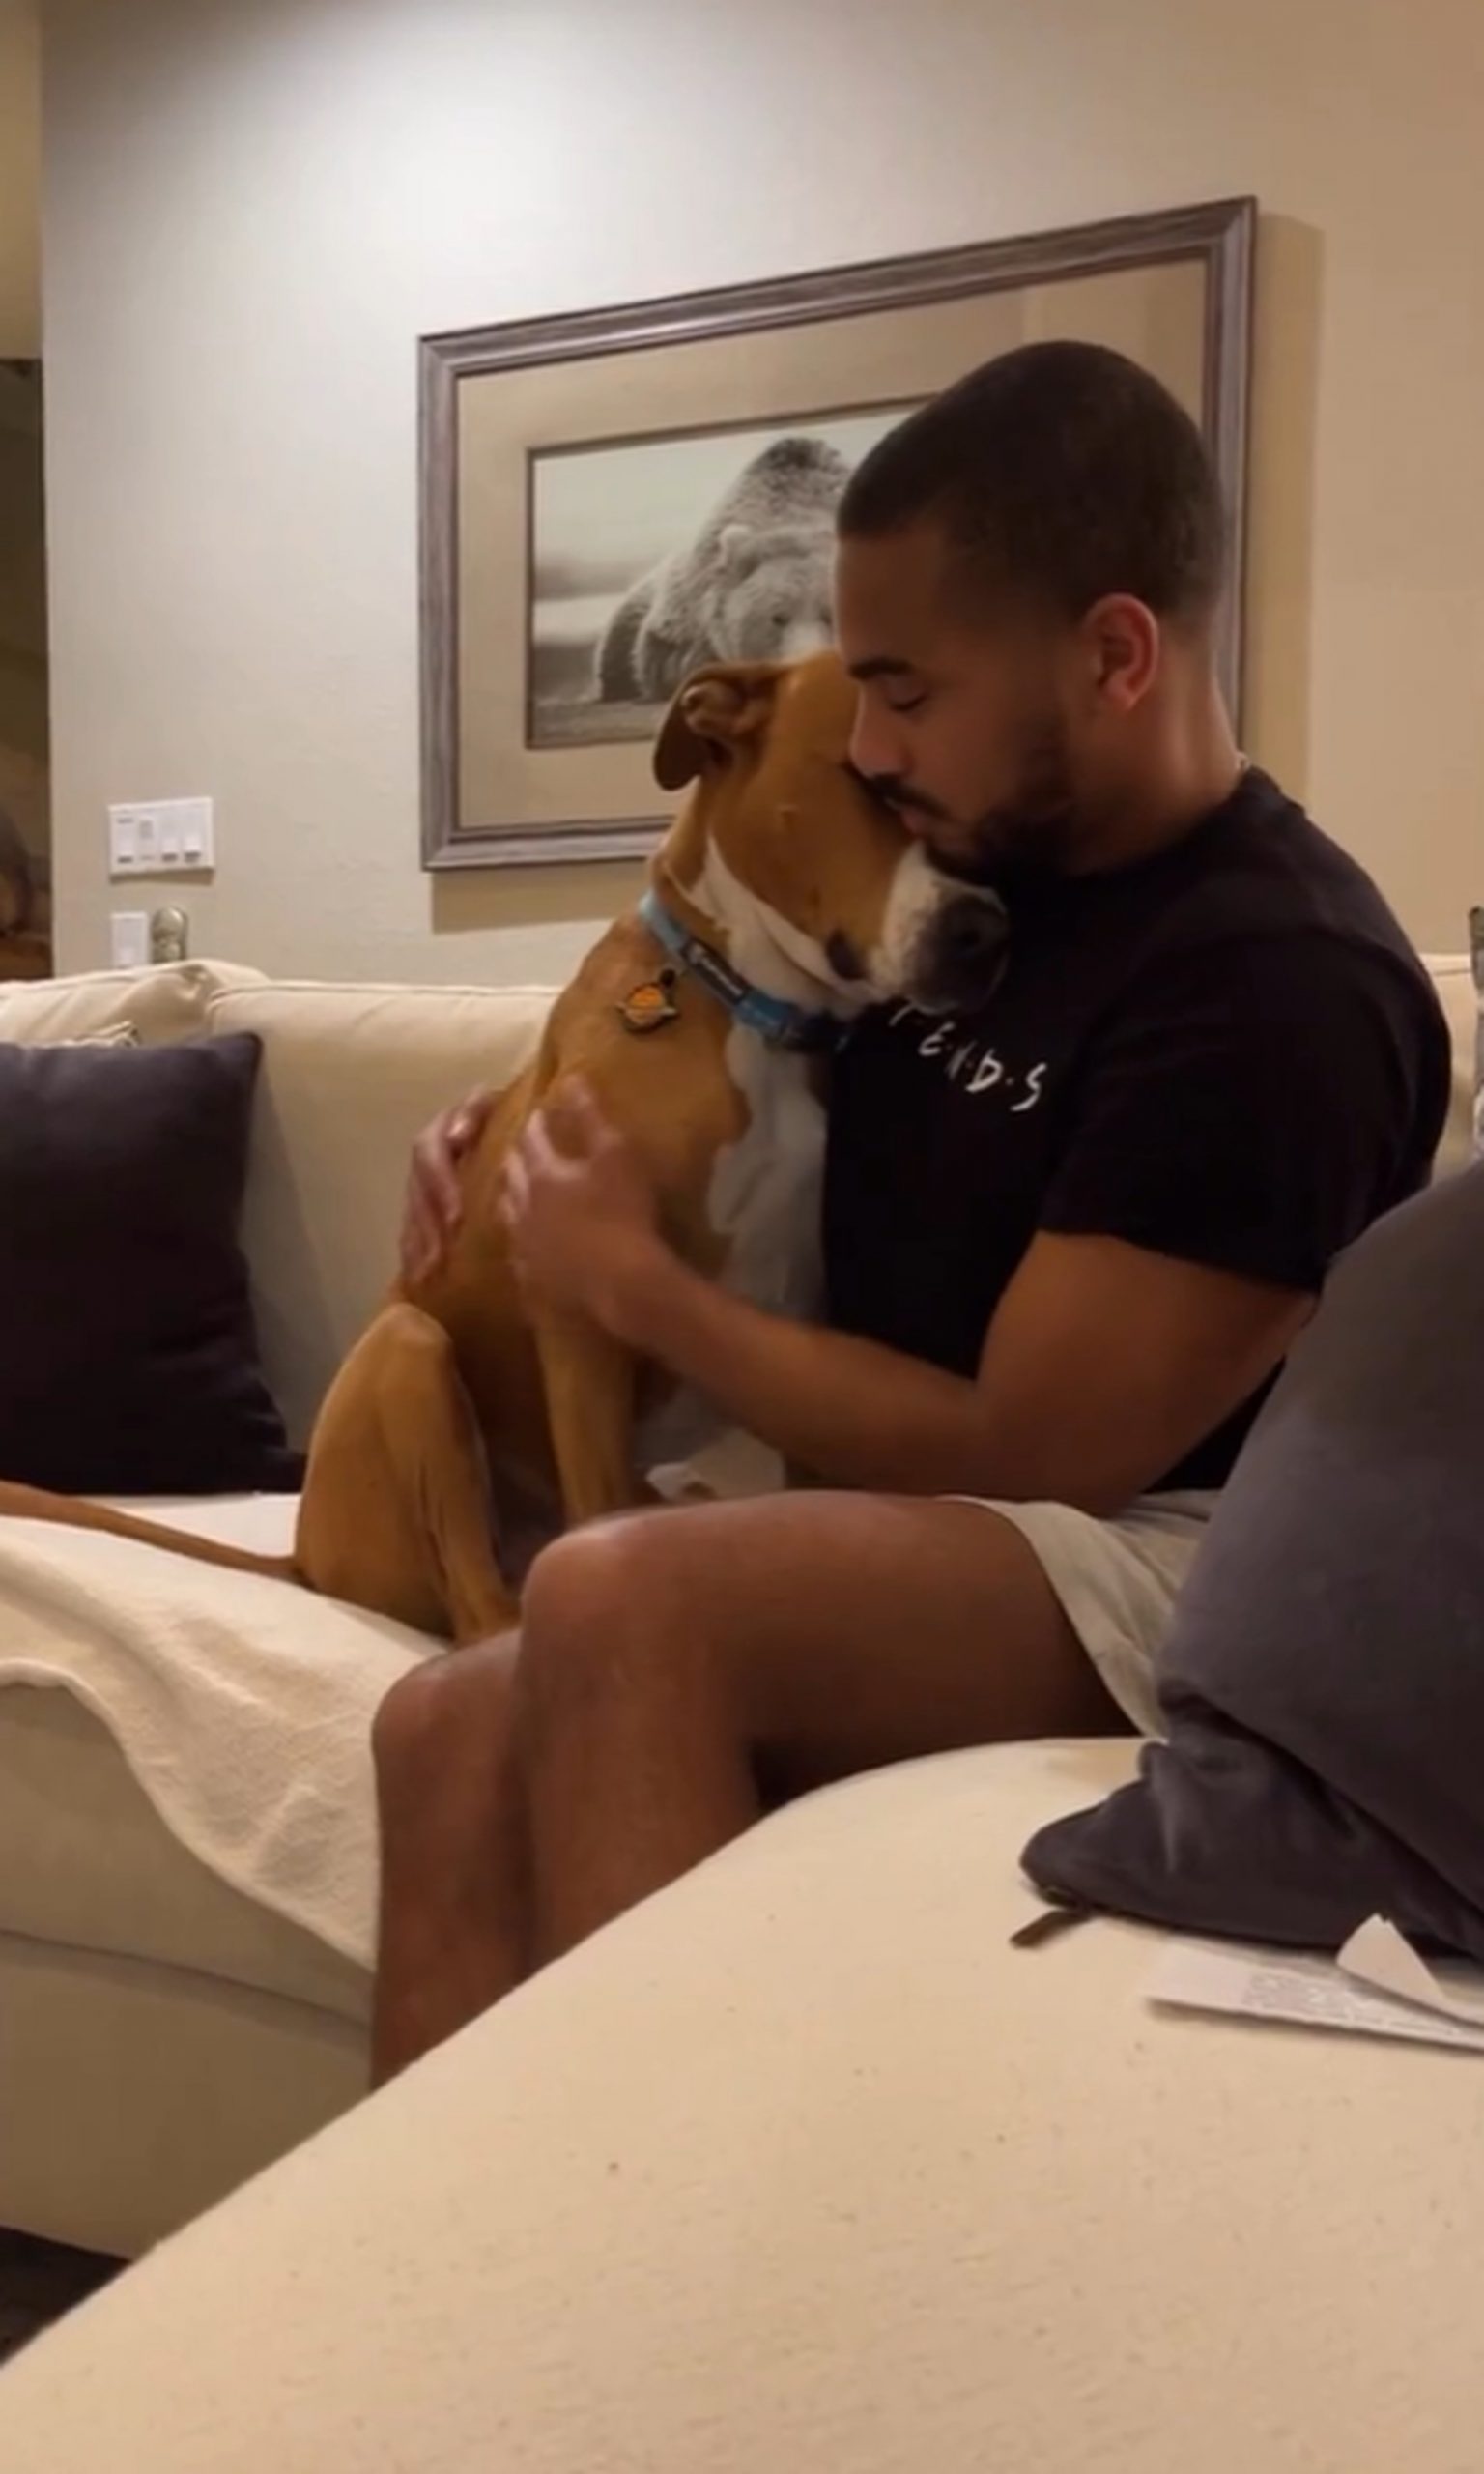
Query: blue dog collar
{"points": [[773, 1018]]}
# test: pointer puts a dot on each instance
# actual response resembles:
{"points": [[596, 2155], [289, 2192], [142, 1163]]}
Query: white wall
{"points": [[20, 274], [254, 206]]}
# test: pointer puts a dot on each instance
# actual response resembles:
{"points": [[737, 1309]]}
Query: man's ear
{"points": [[1122, 639], [712, 716]]}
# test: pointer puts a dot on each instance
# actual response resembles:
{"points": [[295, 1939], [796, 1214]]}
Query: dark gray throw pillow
{"points": [[128, 1354], [1324, 1682]]}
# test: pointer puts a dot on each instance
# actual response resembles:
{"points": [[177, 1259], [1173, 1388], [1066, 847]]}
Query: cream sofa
{"points": [[802, 2169], [161, 2038]]}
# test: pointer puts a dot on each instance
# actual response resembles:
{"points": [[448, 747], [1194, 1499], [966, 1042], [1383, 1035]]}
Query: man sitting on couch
{"points": [[1068, 1241]]}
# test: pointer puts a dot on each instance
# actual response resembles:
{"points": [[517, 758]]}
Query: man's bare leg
{"points": [[454, 1924], [671, 1662]]}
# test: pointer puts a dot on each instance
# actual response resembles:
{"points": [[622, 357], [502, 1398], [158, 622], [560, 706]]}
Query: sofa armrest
{"points": [[802, 2166]]}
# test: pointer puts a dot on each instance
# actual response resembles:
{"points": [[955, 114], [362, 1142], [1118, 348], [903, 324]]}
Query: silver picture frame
{"points": [[497, 403]]}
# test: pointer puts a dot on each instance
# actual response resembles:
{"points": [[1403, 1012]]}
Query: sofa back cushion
{"points": [[167, 1003], [350, 1076]]}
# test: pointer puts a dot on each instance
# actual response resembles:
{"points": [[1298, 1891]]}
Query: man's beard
{"points": [[1022, 840]]}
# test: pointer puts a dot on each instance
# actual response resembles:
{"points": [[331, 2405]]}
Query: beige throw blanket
{"points": [[242, 1707]]}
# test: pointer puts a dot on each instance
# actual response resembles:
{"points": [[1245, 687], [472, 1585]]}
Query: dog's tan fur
{"points": [[457, 1379]]}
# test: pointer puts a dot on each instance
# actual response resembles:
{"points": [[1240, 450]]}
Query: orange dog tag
{"points": [[649, 1006]]}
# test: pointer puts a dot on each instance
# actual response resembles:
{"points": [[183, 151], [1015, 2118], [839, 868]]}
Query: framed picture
{"points": [[613, 497]]}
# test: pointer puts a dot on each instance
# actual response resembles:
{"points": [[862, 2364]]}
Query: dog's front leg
{"points": [[589, 1383]]}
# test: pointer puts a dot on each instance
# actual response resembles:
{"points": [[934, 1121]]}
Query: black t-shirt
{"points": [[1228, 1053]]}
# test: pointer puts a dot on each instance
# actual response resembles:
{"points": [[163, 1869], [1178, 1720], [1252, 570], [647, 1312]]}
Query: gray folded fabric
{"points": [[1324, 1682]]}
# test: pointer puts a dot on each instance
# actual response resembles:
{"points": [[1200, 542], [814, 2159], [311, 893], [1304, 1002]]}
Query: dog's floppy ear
{"points": [[712, 715]]}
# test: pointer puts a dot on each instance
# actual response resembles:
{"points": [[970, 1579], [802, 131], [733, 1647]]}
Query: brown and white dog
{"points": [[783, 899]]}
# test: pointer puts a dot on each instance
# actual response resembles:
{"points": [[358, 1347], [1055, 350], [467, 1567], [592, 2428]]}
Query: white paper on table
{"points": [[1378, 1955], [1378, 1987]]}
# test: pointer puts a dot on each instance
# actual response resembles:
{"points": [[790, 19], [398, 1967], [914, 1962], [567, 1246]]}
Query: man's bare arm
{"points": [[1104, 1366]]}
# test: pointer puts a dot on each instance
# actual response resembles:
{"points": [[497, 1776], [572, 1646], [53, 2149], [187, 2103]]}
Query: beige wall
{"points": [[254, 207], [20, 274]]}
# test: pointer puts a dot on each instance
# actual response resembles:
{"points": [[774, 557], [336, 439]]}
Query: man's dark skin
{"points": [[535, 1787]]}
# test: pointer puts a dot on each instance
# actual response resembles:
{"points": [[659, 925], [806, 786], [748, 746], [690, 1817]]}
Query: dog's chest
{"points": [[764, 1203], [765, 1200]]}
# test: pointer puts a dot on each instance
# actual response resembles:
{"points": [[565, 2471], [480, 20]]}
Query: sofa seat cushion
{"points": [[87, 1863], [243, 1703], [802, 2166]]}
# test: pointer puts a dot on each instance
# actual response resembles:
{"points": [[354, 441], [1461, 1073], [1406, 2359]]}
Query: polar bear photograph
{"points": [[649, 559]]}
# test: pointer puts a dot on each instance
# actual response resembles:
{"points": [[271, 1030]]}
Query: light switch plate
{"points": [[162, 838], [123, 842]]}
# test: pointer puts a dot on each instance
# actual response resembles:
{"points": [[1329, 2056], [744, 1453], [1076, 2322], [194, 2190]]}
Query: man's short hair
{"points": [[1059, 473]]}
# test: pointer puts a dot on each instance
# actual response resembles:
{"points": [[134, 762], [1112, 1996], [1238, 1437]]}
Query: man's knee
{"points": [[600, 1605], [432, 1716]]}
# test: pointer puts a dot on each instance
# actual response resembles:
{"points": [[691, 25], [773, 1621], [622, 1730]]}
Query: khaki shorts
{"points": [[1117, 1582]]}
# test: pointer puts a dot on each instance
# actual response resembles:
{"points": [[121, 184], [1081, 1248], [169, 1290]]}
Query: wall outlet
{"points": [[162, 838], [128, 939]]}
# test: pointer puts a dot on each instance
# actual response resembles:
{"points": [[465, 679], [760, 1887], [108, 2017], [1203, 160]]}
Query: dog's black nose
{"points": [[972, 931], [963, 952]]}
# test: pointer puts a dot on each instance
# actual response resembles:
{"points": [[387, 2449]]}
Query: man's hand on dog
{"points": [[434, 1202], [581, 1211]]}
